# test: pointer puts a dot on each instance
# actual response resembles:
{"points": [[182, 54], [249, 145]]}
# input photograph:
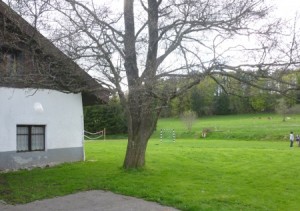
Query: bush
{"points": [[110, 116], [189, 118]]}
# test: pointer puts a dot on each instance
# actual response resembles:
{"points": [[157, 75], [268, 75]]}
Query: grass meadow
{"points": [[244, 164]]}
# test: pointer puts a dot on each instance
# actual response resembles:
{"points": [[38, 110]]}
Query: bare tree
{"points": [[282, 108], [35, 11], [140, 49], [189, 118]]}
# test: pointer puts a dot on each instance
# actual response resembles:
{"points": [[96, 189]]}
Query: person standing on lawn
{"points": [[291, 139], [298, 139]]}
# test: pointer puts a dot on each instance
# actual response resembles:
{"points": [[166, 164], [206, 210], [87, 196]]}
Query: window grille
{"points": [[30, 138]]}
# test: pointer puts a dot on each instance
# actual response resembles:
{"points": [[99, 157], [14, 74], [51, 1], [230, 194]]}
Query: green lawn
{"points": [[267, 127], [190, 174]]}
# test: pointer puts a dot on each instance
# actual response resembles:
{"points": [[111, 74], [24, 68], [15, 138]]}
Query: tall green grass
{"points": [[190, 174]]}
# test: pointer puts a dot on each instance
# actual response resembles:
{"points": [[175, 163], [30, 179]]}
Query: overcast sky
{"points": [[287, 8]]}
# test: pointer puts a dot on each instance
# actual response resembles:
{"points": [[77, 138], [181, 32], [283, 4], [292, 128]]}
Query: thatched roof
{"points": [[51, 68]]}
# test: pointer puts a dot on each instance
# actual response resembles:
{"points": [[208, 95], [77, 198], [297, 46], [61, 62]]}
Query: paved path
{"points": [[89, 201]]}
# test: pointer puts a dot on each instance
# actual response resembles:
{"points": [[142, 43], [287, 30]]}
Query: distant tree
{"points": [[290, 95], [202, 97], [258, 102], [297, 76], [282, 108], [239, 104], [188, 118], [221, 103], [238, 92], [197, 101], [180, 104]]}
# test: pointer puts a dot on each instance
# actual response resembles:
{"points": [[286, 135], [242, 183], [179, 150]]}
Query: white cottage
{"points": [[41, 98]]}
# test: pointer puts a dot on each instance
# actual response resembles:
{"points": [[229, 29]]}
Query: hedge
{"points": [[110, 117]]}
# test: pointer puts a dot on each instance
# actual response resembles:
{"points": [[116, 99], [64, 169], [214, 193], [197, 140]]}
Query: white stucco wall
{"points": [[62, 114]]}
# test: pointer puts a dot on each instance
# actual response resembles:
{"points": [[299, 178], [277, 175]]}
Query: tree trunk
{"points": [[136, 149], [138, 135], [142, 119], [141, 109]]}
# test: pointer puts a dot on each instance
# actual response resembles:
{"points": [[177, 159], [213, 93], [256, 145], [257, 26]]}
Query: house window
{"points": [[11, 61], [30, 138]]}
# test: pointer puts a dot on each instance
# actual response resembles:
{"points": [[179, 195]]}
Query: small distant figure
{"points": [[291, 139], [298, 139], [205, 131]]}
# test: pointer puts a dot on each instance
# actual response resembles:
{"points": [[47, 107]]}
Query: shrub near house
{"points": [[111, 117]]}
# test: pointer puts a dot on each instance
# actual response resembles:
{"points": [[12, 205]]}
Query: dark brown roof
{"points": [[63, 73]]}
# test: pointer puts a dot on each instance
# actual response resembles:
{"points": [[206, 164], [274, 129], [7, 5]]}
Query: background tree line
{"points": [[235, 97], [207, 98]]}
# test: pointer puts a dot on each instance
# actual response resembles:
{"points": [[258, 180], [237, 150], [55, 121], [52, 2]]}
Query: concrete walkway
{"points": [[89, 201]]}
